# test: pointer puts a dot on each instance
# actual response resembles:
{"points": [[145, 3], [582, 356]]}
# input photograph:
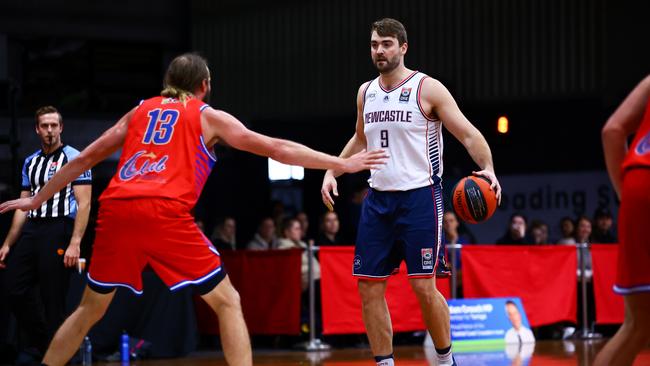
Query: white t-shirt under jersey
{"points": [[394, 121]]}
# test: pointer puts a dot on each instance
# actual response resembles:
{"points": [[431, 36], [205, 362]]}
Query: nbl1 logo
{"points": [[427, 258]]}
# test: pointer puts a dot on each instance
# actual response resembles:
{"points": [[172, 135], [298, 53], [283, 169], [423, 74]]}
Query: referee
{"points": [[47, 240]]}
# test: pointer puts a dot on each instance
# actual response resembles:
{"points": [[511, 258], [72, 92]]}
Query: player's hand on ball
{"points": [[494, 182]]}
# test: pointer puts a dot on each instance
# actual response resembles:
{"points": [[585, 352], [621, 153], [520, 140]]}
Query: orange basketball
{"points": [[472, 199]]}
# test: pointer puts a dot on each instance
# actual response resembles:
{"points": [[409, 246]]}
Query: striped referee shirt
{"points": [[39, 168]]}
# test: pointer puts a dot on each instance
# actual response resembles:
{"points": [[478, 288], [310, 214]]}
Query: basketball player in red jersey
{"points": [[629, 170], [145, 219]]}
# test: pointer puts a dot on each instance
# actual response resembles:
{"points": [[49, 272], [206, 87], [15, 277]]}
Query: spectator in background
{"points": [[516, 231], [451, 235], [264, 238], [450, 226], [304, 225], [278, 214], [567, 228], [603, 232], [583, 230], [223, 236], [539, 232], [291, 232], [329, 230]]}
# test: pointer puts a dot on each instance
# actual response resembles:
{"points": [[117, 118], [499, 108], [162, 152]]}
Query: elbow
{"points": [[610, 131]]}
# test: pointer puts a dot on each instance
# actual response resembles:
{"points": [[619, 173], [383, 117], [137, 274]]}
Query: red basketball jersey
{"points": [[164, 155], [639, 153]]}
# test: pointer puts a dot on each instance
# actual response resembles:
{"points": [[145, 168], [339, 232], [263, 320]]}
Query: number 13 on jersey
{"points": [[160, 127]]}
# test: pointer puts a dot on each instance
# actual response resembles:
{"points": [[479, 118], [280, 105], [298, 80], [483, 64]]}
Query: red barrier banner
{"points": [[609, 306], [268, 283], [543, 276], [341, 304]]}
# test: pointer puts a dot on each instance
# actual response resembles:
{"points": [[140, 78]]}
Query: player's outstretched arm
{"points": [[221, 125], [624, 122], [108, 143], [437, 99]]}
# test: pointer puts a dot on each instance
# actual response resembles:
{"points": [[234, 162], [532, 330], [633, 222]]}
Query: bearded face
{"points": [[386, 53]]}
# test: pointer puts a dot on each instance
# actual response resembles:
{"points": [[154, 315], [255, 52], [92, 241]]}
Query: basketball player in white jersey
{"points": [[403, 111]]}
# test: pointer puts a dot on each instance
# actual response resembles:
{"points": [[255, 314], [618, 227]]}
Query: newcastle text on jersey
{"points": [[388, 116]]}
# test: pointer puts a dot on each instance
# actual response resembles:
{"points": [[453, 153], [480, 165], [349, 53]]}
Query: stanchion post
{"points": [[453, 250], [314, 343], [585, 333]]}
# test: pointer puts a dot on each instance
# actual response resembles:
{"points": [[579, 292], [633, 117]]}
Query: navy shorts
{"points": [[396, 226]]}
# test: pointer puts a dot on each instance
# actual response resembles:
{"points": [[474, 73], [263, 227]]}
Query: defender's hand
{"points": [[71, 256], [24, 204], [364, 160]]}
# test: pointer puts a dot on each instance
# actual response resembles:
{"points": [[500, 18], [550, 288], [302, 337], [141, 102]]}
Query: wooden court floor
{"points": [[544, 353]]}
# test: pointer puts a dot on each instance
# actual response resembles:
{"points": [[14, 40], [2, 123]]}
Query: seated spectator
{"points": [[603, 232], [329, 230], [223, 236], [291, 232], [567, 228], [451, 235], [583, 231], [304, 225], [516, 231], [583, 235], [264, 238], [539, 232], [450, 226]]}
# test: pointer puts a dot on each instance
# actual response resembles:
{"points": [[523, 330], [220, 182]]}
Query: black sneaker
{"points": [[442, 268]]}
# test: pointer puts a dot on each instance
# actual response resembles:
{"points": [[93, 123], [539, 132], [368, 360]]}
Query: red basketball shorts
{"points": [[160, 233], [634, 237]]}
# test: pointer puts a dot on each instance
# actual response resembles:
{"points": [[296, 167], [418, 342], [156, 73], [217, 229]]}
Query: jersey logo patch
{"points": [[372, 95], [386, 98], [405, 95], [427, 258], [141, 164], [52, 170], [644, 145]]}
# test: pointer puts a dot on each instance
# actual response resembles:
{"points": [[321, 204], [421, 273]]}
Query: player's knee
{"points": [[232, 299], [370, 290], [226, 298], [93, 311], [640, 330], [423, 288]]}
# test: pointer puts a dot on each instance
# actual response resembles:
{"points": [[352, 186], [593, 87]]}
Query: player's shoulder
{"points": [[430, 82]]}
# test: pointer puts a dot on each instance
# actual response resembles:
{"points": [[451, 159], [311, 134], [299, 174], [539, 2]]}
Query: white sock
{"points": [[445, 360], [386, 362]]}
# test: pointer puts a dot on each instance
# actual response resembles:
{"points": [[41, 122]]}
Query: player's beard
{"points": [[389, 65], [206, 98]]}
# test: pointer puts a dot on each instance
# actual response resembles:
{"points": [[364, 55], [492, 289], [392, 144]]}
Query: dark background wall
{"points": [[556, 68]]}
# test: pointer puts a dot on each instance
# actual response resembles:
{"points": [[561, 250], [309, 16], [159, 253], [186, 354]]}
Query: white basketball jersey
{"points": [[394, 121]]}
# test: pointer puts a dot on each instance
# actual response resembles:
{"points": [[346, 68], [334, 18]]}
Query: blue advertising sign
{"points": [[489, 323]]}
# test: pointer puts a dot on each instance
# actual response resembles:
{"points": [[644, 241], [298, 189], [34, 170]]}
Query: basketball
{"points": [[473, 200]]}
